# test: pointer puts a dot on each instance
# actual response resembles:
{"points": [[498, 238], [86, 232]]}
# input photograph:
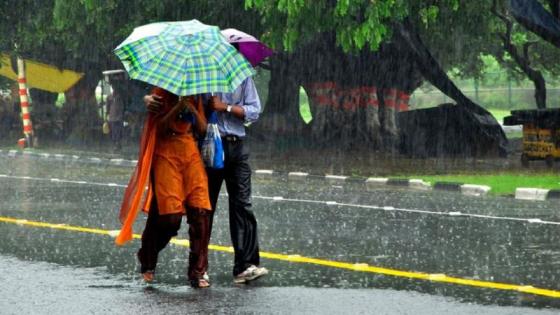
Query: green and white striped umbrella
{"points": [[185, 58]]}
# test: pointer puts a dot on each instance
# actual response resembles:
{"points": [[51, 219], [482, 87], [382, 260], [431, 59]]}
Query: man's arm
{"points": [[248, 111], [217, 105]]}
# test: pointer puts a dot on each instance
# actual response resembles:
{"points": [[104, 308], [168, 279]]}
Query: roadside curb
{"points": [[448, 186], [416, 184], [537, 194], [371, 183], [68, 157]]}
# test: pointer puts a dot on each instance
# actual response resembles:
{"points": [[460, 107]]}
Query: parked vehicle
{"points": [[541, 134]]}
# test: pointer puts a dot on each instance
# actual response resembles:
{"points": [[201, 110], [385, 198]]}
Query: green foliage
{"points": [[26, 27], [429, 14], [81, 34], [357, 23]]}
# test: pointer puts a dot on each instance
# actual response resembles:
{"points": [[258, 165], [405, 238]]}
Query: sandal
{"points": [[200, 283]]}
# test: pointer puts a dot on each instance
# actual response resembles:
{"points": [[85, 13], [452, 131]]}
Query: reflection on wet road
{"points": [[393, 229]]}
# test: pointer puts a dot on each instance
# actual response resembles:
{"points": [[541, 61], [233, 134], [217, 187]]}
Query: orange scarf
{"points": [[138, 182]]}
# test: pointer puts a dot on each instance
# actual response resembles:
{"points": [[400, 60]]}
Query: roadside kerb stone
{"points": [[376, 182], [448, 186], [117, 161], [297, 175], [357, 180], [419, 184], [397, 182], [475, 190], [264, 173], [531, 194], [95, 159], [553, 194], [335, 179]]}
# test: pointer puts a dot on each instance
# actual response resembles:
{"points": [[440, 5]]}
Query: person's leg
{"points": [[116, 130], [157, 234], [215, 180], [198, 209], [159, 228], [242, 222], [147, 255], [199, 236]]}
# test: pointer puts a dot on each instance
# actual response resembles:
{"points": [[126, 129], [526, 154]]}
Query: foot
{"points": [[148, 276], [251, 273], [200, 283]]}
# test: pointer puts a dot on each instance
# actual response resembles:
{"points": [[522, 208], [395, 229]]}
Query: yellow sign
{"points": [[41, 76]]}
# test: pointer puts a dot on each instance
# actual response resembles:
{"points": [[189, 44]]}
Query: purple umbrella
{"points": [[248, 45]]}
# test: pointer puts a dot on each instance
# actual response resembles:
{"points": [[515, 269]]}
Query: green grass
{"points": [[501, 184]]}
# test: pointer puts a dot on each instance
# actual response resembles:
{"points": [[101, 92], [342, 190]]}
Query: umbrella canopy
{"points": [[249, 46], [185, 58], [41, 76]]}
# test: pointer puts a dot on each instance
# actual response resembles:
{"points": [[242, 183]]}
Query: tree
{"points": [[524, 52], [361, 46]]}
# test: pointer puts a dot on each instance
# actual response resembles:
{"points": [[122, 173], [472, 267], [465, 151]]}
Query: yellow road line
{"points": [[315, 261]]}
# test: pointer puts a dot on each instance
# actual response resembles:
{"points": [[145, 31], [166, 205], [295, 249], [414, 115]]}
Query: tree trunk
{"points": [[431, 70], [555, 8], [525, 66], [540, 89], [280, 116]]}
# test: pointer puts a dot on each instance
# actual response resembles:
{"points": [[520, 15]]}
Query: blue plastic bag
{"points": [[211, 147]]}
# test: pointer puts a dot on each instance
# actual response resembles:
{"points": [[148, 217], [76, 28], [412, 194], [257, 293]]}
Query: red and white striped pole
{"points": [[24, 102]]}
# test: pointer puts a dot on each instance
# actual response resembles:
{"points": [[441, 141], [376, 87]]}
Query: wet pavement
{"points": [[45, 288], [493, 239]]}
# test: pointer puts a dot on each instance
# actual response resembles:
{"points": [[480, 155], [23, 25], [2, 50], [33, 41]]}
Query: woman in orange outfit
{"points": [[170, 162]]}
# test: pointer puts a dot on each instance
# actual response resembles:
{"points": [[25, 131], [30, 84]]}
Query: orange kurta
{"points": [[172, 157], [179, 175]]}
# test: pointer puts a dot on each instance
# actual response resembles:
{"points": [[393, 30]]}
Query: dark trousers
{"points": [[116, 129], [161, 228], [242, 222]]}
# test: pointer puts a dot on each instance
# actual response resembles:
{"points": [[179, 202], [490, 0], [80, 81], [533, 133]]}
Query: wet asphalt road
{"points": [[46, 270]]}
